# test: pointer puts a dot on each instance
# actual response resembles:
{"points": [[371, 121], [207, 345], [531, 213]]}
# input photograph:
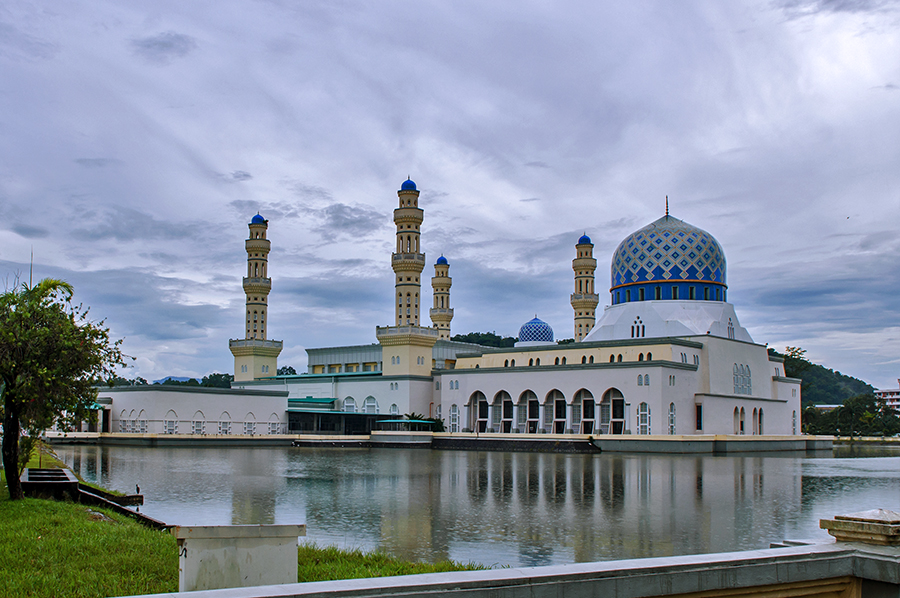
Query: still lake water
{"points": [[495, 508]]}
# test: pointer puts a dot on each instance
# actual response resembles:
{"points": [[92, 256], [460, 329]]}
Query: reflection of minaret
{"points": [[406, 346], [584, 300], [441, 313], [254, 356]]}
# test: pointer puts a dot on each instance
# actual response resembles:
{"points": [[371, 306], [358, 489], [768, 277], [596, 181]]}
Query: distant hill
{"points": [[172, 379], [821, 386]]}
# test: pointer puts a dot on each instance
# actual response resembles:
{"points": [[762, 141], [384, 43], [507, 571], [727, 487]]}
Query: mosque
{"points": [[668, 356]]}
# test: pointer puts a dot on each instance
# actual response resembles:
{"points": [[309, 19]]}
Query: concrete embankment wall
{"points": [[832, 570], [550, 443]]}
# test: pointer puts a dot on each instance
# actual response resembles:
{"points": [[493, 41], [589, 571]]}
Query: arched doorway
{"points": [[556, 406], [478, 407], [531, 408], [503, 413], [585, 400], [612, 412]]}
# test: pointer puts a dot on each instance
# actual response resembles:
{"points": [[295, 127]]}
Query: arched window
{"points": [[646, 379], [730, 328], [794, 423], [619, 358], [743, 418], [584, 359], [537, 361], [564, 361], [370, 405], [591, 359], [394, 409], [349, 405], [531, 362], [755, 422], [556, 362], [641, 357], [454, 418], [640, 380], [649, 356], [737, 421], [671, 419], [761, 422], [506, 363], [643, 418], [612, 358], [512, 363]]}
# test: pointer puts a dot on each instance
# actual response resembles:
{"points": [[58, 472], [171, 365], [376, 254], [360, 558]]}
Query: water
{"points": [[517, 509]]}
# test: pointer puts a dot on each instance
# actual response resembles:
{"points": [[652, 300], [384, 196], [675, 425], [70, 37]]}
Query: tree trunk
{"points": [[11, 432]]}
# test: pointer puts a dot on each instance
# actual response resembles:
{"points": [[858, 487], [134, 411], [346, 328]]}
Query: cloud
{"points": [[30, 232], [18, 45], [240, 175], [163, 48], [127, 224], [341, 220]]}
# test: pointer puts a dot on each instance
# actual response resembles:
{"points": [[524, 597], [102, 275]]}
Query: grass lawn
{"points": [[50, 549]]}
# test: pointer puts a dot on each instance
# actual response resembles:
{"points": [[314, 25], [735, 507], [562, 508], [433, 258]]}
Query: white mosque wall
{"points": [[188, 410]]}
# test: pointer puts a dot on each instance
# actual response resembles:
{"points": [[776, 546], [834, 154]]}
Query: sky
{"points": [[137, 139]]}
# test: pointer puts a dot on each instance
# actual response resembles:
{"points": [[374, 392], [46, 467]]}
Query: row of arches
{"points": [[131, 422], [585, 359], [369, 406], [553, 413], [757, 421]]}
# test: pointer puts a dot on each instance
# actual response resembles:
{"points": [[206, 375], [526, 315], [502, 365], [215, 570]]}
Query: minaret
{"points": [[441, 313], [254, 356], [584, 300], [406, 346], [407, 262]]}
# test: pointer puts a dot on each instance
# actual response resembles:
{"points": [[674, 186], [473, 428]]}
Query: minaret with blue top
{"points": [[441, 313], [254, 356], [406, 346], [584, 300]]}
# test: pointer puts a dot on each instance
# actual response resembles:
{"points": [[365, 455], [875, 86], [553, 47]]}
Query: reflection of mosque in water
{"points": [[487, 507]]}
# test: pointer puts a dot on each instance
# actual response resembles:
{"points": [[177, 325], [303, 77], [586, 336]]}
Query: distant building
{"points": [[890, 397]]}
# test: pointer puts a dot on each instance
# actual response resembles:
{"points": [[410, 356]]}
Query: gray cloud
{"points": [[240, 175], [30, 232], [127, 224], [18, 45], [164, 47], [341, 220]]}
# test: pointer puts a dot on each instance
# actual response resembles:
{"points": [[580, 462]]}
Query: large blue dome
{"points": [[258, 220], [408, 185], [536, 331], [668, 259]]}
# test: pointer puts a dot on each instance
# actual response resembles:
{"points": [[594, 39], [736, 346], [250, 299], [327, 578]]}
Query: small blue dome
{"points": [[441, 260], [584, 240], [536, 331], [258, 220], [408, 185]]}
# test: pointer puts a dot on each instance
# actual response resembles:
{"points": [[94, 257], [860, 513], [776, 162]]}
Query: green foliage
{"points": [[485, 339], [862, 415], [286, 371], [27, 444], [434, 424], [565, 341], [214, 380], [119, 381], [323, 564], [217, 380], [820, 386], [50, 356]]}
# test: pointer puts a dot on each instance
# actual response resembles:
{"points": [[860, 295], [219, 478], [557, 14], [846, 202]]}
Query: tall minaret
{"points": [[441, 313], [407, 261], [406, 347], [254, 356], [584, 300]]}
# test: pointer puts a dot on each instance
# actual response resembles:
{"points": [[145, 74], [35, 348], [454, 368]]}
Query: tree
{"points": [[485, 339], [217, 380], [286, 371], [50, 356]]}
